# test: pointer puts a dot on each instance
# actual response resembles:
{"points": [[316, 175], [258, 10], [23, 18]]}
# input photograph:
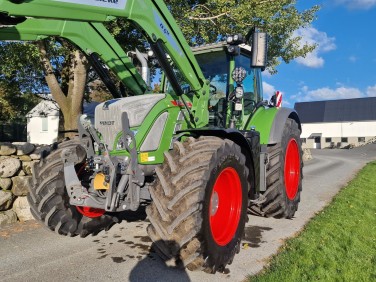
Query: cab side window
{"points": [[249, 84]]}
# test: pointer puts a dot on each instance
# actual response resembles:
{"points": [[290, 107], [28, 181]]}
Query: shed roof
{"points": [[51, 108], [43, 109], [359, 109]]}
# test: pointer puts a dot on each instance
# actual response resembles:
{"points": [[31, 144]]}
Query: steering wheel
{"points": [[249, 103], [214, 88]]}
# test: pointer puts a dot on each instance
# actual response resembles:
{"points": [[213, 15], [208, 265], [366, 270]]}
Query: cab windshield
{"points": [[215, 67]]}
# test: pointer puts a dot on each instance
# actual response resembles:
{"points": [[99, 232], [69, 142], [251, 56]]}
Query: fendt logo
{"points": [[107, 122], [109, 1]]}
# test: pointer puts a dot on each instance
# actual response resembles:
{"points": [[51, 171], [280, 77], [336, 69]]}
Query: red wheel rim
{"points": [[292, 169], [225, 206], [90, 212]]}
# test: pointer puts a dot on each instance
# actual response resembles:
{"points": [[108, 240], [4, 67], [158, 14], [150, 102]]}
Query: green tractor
{"points": [[200, 156]]}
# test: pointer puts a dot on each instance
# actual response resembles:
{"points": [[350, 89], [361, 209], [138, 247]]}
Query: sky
{"points": [[343, 66]]}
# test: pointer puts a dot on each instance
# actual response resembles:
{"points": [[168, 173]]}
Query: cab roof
{"points": [[219, 46]]}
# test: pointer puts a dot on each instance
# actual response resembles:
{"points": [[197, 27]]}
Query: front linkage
{"points": [[114, 183]]}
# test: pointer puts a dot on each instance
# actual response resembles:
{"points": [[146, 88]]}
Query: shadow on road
{"points": [[154, 268], [253, 235], [149, 265], [132, 216]]}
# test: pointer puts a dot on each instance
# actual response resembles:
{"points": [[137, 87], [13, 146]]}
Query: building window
{"points": [[304, 140], [361, 139], [44, 123], [328, 140], [317, 139], [344, 139]]}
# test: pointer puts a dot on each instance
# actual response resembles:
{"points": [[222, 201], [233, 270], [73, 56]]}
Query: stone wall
{"points": [[16, 160]]}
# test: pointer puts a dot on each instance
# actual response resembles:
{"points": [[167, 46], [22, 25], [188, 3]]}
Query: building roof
{"points": [[359, 109], [51, 108], [43, 109]]}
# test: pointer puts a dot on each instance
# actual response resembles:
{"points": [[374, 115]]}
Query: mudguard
{"points": [[270, 123], [279, 122]]}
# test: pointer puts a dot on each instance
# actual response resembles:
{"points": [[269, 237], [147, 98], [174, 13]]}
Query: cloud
{"points": [[324, 43], [269, 90], [266, 73], [371, 91], [329, 94], [353, 59], [357, 4]]}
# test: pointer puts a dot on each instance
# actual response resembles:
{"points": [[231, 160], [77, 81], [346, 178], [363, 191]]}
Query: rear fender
{"points": [[279, 122], [270, 123]]}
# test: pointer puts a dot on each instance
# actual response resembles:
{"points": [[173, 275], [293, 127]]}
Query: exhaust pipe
{"points": [[145, 71]]}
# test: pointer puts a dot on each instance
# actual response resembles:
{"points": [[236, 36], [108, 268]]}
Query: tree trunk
{"points": [[70, 103]]}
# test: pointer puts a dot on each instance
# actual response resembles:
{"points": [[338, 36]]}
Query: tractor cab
{"points": [[219, 64], [233, 73]]}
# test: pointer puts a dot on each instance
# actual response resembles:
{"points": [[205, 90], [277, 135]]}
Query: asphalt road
{"points": [[29, 252]]}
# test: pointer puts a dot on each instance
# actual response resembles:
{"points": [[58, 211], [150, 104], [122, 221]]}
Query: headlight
{"points": [[239, 74], [239, 92]]}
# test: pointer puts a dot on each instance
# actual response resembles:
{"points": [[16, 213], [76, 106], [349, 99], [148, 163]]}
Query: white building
{"points": [[337, 123], [43, 123]]}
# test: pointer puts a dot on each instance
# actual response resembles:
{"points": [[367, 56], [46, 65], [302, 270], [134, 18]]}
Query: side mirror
{"points": [[276, 100], [259, 50]]}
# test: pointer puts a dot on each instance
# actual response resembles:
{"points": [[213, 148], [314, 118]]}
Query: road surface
{"points": [[29, 252]]}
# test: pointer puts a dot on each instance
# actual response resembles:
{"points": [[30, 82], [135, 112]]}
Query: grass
{"points": [[339, 244]]}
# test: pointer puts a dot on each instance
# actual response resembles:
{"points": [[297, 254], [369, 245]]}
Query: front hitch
{"points": [[131, 177], [78, 195]]}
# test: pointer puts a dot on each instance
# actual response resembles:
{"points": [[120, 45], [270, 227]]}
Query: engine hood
{"points": [[108, 114]]}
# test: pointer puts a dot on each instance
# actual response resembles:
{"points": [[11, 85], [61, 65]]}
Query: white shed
{"points": [[43, 123]]}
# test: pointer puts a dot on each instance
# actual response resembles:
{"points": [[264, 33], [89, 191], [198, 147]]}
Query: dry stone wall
{"points": [[16, 160]]}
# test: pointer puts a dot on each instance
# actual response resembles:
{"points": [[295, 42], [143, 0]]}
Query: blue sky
{"points": [[343, 65]]}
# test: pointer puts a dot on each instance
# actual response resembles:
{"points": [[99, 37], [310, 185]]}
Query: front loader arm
{"points": [[89, 37], [152, 16]]}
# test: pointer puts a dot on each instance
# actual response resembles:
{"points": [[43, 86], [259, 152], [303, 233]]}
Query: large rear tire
{"points": [[199, 206], [49, 201], [283, 176]]}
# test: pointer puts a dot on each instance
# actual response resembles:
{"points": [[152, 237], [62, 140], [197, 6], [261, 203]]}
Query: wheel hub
{"points": [[225, 206], [292, 169], [214, 201], [90, 212]]}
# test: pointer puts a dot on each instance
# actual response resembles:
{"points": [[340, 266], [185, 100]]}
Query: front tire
{"points": [[284, 175], [199, 204], [49, 201]]}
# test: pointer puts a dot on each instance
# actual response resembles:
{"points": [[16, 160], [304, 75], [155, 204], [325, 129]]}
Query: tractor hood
{"points": [[108, 114]]}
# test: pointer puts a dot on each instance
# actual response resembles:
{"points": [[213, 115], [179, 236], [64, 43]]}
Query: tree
{"points": [[13, 105], [20, 66], [50, 65], [68, 91], [207, 21]]}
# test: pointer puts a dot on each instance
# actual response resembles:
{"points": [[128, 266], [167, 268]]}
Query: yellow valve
{"points": [[100, 182]]}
